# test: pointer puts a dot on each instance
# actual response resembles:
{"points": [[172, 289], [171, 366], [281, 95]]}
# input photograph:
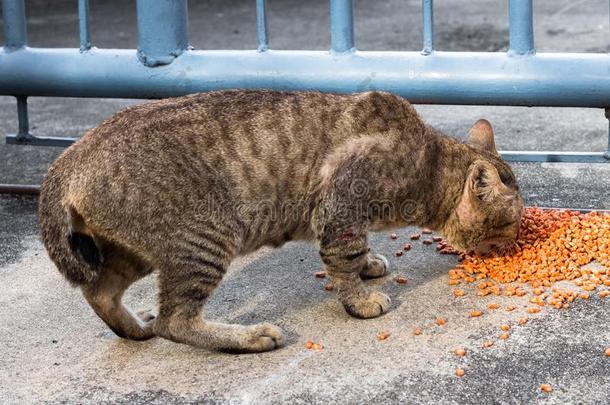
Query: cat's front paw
{"points": [[376, 266], [375, 304]]}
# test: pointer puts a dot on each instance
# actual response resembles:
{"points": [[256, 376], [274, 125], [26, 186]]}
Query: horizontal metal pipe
{"points": [[545, 79], [19, 189], [341, 25]]}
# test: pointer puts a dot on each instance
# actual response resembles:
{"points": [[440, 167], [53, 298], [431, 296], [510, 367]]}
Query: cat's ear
{"points": [[481, 136], [484, 182]]}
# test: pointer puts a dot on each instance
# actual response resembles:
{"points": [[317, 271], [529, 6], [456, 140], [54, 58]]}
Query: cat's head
{"points": [[488, 214]]}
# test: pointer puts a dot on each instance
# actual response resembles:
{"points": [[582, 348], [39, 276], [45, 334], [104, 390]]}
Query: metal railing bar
{"points": [[555, 157], [543, 79], [261, 25], [83, 25], [162, 31], [521, 27], [20, 189], [428, 26], [15, 27], [40, 141], [341, 26]]}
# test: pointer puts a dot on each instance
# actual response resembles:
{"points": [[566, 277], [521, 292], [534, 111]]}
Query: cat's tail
{"points": [[71, 245]]}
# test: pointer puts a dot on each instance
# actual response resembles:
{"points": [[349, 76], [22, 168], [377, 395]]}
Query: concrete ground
{"points": [[54, 349]]}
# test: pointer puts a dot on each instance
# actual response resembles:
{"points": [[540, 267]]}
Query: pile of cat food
{"points": [[553, 246]]}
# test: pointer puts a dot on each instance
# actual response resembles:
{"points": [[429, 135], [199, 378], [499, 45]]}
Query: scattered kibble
{"points": [[488, 343], [417, 331], [460, 372], [493, 305], [505, 327], [426, 231], [393, 236], [511, 308], [441, 321], [604, 294], [401, 280], [320, 274], [329, 287], [475, 314], [415, 236], [427, 241], [504, 336], [459, 351], [437, 239], [533, 310], [546, 388], [458, 293], [398, 253], [311, 345], [383, 335], [523, 320], [407, 247], [607, 352]]}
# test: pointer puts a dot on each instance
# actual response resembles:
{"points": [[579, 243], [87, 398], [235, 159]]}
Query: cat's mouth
{"points": [[499, 246]]}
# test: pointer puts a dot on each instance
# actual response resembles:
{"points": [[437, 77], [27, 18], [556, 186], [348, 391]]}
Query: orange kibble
{"points": [[533, 310], [475, 314], [441, 321], [309, 344], [505, 327], [383, 335], [546, 388], [523, 320], [459, 351], [553, 246], [453, 282], [317, 346], [488, 343], [511, 308], [493, 305], [417, 331], [504, 336], [401, 280], [604, 294], [460, 372], [320, 274], [458, 293], [607, 352], [583, 296]]}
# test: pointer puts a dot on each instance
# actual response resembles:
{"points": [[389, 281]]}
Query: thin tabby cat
{"points": [[184, 185]]}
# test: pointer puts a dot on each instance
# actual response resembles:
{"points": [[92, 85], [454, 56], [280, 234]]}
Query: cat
{"points": [[181, 186]]}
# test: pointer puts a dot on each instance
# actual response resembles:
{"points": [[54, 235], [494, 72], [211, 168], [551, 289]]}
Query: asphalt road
{"points": [[54, 349]]}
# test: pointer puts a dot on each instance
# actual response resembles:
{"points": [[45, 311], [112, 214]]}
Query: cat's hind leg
{"points": [[105, 297], [186, 281]]}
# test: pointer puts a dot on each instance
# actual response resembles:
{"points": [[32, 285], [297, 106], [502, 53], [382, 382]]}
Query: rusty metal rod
{"points": [[20, 189]]}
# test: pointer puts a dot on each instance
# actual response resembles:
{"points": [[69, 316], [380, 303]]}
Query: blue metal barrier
{"points": [[164, 65]]}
